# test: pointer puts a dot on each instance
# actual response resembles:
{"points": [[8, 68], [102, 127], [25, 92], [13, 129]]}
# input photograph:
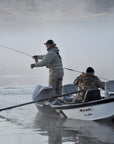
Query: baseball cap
{"points": [[51, 42]]}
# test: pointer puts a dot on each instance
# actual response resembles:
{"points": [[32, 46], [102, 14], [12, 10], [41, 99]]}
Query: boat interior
{"points": [[42, 92]]}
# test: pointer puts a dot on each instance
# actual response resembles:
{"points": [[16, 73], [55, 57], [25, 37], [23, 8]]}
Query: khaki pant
{"points": [[55, 80]]}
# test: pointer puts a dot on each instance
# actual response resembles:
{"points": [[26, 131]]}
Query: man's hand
{"points": [[32, 66], [35, 57]]}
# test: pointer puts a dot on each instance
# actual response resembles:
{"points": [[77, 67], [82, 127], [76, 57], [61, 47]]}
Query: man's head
{"points": [[90, 70], [49, 43]]}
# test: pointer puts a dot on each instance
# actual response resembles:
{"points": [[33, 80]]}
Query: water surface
{"points": [[25, 125], [83, 30]]}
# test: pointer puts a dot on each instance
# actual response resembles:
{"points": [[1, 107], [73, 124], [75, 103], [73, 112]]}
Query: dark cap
{"points": [[90, 70], [50, 42]]}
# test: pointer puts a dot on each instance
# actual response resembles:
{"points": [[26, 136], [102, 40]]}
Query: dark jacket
{"points": [[87, 81]]}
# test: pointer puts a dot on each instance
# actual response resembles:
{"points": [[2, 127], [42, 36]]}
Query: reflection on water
{"points": [[51, 126], [58, 130], [25, 25], [76, 131], [25, 125]]}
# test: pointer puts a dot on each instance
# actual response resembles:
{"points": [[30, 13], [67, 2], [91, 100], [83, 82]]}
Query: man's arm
{"points": [[100, 83], [46, 60], [37, 57], [76, 81]]}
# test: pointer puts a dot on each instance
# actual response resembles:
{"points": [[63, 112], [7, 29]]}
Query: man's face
{"points": [[48, 45]]}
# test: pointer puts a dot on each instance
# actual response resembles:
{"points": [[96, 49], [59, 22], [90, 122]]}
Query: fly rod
{"points": [[81, 72], [15, 50], [36, 61]]}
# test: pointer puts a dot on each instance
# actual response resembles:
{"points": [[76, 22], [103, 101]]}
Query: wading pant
{"points": [[55, 80]]}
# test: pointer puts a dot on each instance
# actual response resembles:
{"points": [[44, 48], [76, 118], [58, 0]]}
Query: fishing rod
{"points": [[31, 56], [81, 72], [15, 50], [72, 70]]}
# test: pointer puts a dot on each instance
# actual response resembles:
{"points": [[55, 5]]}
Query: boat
{"points": [[90, 109]]}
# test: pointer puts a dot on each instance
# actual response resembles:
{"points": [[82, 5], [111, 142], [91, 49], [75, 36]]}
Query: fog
{"points": [[82, 29]]}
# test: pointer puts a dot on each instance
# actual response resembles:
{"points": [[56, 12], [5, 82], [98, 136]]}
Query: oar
{"points": [[28, 103]]}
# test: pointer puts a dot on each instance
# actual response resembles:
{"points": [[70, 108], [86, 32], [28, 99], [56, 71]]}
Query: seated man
{"points": [[87, 81]]}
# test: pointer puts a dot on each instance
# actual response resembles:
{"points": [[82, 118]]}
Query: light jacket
{"points": [[51, 60]]}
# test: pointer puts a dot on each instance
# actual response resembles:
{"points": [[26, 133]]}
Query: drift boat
{"points": [[91, 109]]}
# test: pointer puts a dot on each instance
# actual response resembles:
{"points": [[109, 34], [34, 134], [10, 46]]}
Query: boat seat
{"points": [[68, 88], [109, 89], [92, 94]]}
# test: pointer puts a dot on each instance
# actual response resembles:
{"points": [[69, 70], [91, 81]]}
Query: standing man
{"points": [[85, 82], [53, 61]]}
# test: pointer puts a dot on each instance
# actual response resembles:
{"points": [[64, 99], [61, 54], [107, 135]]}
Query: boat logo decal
{"points": [[85, 110]]}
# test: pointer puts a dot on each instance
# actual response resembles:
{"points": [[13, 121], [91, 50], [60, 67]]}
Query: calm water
{"points": [[25, 125], [82, 29]]}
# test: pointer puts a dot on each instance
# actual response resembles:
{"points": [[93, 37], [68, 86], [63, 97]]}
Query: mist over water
{"points": [[83, 31]]}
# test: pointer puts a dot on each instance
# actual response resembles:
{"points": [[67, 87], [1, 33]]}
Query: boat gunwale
{"points": [[79, 105], [85, 104]]}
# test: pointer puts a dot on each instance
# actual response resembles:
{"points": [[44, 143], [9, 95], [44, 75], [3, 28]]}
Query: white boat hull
{"points": [[92, 110], [96, 112]]}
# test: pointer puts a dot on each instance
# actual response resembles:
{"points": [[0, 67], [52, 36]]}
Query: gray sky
{"points": [[82, 29]]}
